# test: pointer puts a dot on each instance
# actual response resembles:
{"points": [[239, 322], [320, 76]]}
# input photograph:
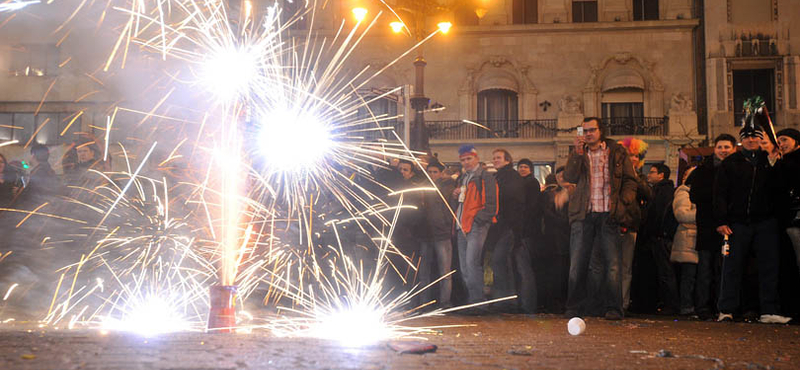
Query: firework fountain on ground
{"points": [[278, 143]]}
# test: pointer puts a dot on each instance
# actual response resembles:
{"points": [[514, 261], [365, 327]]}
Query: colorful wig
{"points": [[635, 146]]}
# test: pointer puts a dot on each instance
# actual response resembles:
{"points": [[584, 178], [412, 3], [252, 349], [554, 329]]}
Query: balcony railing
{"points": [[522, 129], [651, 126], [491, 129]]}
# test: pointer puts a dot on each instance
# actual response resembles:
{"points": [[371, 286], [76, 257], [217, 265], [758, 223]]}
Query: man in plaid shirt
{"points": [[605, 186]]}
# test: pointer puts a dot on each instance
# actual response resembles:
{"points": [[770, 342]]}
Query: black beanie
{"points": [[526, 162], [790, 132]]}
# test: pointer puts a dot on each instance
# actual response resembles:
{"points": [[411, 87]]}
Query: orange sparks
{"points": [[45, 96], [31, 213], [71, 122], [84, 96]]}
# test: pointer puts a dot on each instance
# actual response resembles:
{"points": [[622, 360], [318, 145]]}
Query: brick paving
{"points": [[494, 342]]}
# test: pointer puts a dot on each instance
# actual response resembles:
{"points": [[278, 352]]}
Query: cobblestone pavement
{"points": [[494, 342]]}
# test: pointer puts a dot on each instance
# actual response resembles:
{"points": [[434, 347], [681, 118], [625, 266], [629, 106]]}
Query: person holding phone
{"points": [[605, 187]]}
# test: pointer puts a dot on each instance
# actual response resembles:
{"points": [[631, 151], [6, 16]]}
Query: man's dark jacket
{"points": [[702, 195], [437, 214], [533, 208], [656, 225], [744, 189], [511, 199], [788, 169]]}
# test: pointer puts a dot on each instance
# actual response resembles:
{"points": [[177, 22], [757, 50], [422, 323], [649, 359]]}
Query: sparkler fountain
{"points": [[280, 131]]}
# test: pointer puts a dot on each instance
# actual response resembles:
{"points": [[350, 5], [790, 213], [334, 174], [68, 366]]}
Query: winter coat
{"points": [[636, 212], [437, 214], [701, 195], [657, 223], [410, 228], [511, 199], [744, 189], [533, 208], [683, 245], [623, 182], [555, 222], [480, 200], [788, 171]]}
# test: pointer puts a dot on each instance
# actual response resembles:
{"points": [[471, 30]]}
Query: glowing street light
{"points": [[360, 13], [444, 27], [415, 14], [396, 26]]}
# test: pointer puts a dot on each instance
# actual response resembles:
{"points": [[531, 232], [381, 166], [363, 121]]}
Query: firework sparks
{"points": [[11, 6], [282, 139]]}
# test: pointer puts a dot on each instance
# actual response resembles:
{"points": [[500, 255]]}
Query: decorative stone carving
{"points": [[499, 71], [497, 61], [570, 104], [591, 85], [680, 104], [469, 82], [622, 58], [614, 66]]}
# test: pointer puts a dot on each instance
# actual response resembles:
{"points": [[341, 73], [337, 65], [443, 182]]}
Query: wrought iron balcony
{"points": [[523, 129], [650, 126]]}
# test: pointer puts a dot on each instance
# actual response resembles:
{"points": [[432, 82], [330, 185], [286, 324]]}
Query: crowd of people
{"points": [[598, 238], [601, 238], [31, 180]]}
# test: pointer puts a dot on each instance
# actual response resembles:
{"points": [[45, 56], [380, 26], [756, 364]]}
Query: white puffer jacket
{"points": [[683, 246]]}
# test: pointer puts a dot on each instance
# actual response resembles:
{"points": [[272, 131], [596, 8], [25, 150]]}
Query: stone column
{"points": [[791, 75]]}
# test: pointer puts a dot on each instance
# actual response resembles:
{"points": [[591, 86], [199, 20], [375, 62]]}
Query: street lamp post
{"points": [[417, 12], [419, 102]]}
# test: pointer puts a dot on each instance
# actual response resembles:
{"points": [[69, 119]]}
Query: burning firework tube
{"points": [[222, 312]]}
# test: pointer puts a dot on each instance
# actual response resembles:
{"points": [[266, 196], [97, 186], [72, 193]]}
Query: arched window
{"points": [[623, 111], [498, 110], [525, 11]]}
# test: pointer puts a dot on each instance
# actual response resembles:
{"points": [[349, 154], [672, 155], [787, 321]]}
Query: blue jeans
{"points": [[596, 230], [440, 251], [470, 258]]}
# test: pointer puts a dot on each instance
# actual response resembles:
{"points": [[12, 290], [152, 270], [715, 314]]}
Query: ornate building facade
{"points": [[518, 74], [526, 73], [752, 47]]}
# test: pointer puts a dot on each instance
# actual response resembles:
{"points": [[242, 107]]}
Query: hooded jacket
{"points": [[622, 179]]}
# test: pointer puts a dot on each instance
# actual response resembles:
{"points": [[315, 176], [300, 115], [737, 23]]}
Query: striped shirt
{"points": [[600, 179]]}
